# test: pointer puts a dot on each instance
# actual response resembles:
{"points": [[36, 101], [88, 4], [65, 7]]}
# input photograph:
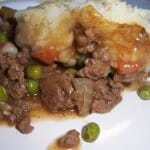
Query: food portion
{"points": [[75, 57], [70, 140]]}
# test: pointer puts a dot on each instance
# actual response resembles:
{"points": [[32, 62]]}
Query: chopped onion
{"points": [[9, 47], [84, 92]]}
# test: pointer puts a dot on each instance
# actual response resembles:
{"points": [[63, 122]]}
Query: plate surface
{"points": [[139, 3], [126, 127]]}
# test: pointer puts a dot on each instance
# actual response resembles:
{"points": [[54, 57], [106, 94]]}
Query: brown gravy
{"points": [[54, 146], [40, 112]]}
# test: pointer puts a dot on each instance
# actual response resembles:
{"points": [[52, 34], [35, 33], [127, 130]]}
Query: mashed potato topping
{"points": [[48, 30], [119, 11], [48, 25], [127, 44]]}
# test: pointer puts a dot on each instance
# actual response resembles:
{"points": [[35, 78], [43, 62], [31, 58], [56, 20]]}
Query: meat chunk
{"points": [[88, 42], [69, 140], [85, 40], [24, 125], [19, 116], [94, 69], [24, 57], [47, 70], [12, 75], [16, 112], [106, 95], [56, 91]]}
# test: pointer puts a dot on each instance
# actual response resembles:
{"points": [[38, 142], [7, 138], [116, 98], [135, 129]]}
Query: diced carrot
{"points": [[128, 67], [45, 55]]}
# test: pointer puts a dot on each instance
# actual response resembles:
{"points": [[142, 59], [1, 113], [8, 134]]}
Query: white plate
{"points": [[126, 127]]}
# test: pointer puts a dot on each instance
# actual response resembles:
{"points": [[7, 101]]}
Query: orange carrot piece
{"points": [[45, 55], [128, 67]]}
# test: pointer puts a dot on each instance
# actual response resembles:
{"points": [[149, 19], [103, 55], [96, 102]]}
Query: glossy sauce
{"points": [[41, 112], [54, 146]]}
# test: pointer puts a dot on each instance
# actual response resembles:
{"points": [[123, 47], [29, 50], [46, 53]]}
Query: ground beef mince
{"points": [[69, 140], [94, 69], [24, 57], [21, 112], [47, 70], [106, 95], [24, 125], [85, 40], [98, 65], [61, 92], [17, 113], [12, 75], [56, 91]]}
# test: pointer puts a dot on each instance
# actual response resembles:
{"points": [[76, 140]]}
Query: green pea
{"points": [[81, 61], [144, 92], [34, 72], [90, 132], [71, 71], [3, 94], [32, 86], [3, 37]]}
